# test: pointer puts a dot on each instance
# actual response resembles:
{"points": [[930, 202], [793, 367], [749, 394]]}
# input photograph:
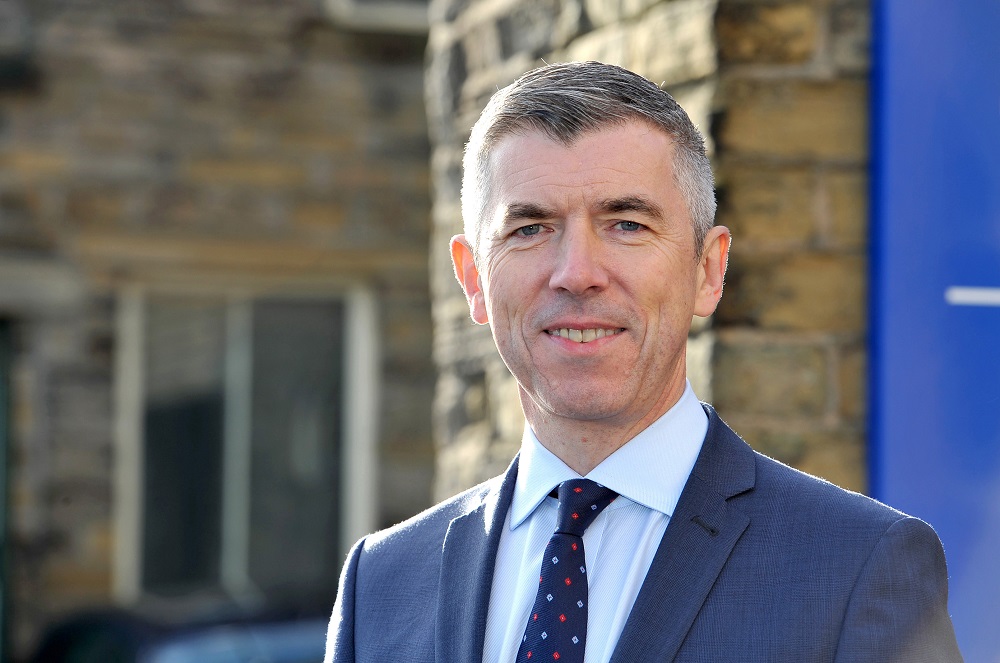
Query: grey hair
{"points": [[564, 101]]}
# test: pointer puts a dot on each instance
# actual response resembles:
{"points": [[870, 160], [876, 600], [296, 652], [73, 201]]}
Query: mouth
{"points": [[584, 335]]}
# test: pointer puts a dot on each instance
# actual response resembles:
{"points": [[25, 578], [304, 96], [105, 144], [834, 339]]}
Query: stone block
{"points": [[316, 215], [269, 173], [171, 206], [807, 291], [786, 33], [673, 42], [847, 197], [850, 38], [506, 413], [71, 579], [20, 222], [777, 379], [609, 44], [607, 12], [447, 10], [460, 464], [95, 208], [482, 47], [795, 120], [534, 28], [769, 205], [699, 364], [837, 455], [32, 164], [852, 382], [443, 79]]}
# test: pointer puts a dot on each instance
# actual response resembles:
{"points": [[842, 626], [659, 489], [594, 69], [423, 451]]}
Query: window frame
{"points": [[359, 431], [386, 16]]}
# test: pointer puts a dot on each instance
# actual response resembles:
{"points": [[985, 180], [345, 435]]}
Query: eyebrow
{"points": [[631, 204], [522, 211], [531, 211]]}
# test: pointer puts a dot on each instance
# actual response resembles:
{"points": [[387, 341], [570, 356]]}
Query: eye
{"points": [[528, 231], [629, 226]]}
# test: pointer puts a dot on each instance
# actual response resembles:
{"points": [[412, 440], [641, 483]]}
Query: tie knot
{"points": [[580, 501]]}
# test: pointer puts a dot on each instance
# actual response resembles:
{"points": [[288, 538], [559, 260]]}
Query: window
{"points": [[234, 471]]}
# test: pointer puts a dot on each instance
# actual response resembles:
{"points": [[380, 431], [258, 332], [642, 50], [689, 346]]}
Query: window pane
{"points": [[297, 367], [185, 352]]}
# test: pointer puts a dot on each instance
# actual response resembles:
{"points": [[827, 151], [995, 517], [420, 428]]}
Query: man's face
{"points": [[588, 273]]}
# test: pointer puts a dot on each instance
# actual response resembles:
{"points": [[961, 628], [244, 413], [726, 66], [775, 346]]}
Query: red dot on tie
{"points": [[578, 490], [535, 617], [556, 656], [539, 578], [568, 581], [529, 655], [562, 618], [574, 546], [575, 516]]}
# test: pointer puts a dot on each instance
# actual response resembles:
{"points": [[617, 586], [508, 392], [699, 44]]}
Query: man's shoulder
{"points": [[784, 492], [813, 496]]}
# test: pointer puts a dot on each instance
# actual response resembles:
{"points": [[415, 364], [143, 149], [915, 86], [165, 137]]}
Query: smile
{"points": [[583, 335]]}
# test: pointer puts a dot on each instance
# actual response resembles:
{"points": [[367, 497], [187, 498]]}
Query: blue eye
{"points": [[528, 231], [629, 226]]}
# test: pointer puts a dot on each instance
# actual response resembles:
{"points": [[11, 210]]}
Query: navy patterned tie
{"points": [[557, 625]]}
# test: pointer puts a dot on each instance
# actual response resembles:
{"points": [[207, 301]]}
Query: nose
{"points": [[578, 264]]}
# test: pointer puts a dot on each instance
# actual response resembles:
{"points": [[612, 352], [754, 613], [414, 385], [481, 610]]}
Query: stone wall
{"points": [[789, 366], [193, 142], [779, 89]]}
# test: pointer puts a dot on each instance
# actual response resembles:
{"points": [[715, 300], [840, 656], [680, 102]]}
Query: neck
{"points": [[585, 444]]}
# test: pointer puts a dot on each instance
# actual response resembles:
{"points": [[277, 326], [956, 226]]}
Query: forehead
{"points": [[634, 158]]}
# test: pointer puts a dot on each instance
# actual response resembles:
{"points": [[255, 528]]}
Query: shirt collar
{"points": [[650, 469]]}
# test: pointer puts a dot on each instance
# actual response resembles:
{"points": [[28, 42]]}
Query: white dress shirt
{"points": [[648, 473]]}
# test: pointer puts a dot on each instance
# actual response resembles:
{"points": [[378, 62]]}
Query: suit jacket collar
{"points": [[699, 539], [701, 535], [467, 561]]}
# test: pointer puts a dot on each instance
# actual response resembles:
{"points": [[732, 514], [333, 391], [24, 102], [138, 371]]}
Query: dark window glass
{"points": [[295, 363], [297, 367]]}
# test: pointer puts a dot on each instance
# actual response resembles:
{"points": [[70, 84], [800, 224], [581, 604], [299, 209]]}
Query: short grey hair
{"points": [[564, 101]]}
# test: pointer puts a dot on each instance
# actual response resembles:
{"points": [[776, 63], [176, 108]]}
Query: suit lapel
{"points": [[702, 532], [467, 562]]}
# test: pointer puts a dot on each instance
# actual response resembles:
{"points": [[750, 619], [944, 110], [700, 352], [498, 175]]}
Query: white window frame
{"points": [[359, 430], [388, 16]]}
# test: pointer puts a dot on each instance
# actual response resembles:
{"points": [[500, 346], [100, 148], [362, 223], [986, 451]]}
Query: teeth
{"points": [[583, 335]]}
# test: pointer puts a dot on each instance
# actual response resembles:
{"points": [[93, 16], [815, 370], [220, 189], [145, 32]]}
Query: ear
{"points": [[468, 277], [712, 271]]}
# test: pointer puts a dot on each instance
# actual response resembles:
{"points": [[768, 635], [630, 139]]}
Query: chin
{"points": [[581, 408]]}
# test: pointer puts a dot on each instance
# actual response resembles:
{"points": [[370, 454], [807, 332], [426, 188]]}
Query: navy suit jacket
{"points": [[759, 562]]}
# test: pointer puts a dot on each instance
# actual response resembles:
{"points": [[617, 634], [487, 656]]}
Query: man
{"points": [[589, 244]]}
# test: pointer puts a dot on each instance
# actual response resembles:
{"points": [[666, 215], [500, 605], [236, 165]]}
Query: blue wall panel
{"points": [[935, 337]]}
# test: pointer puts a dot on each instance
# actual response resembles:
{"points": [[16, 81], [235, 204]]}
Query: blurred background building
{"points": [[216, 312], [214, 230]]}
